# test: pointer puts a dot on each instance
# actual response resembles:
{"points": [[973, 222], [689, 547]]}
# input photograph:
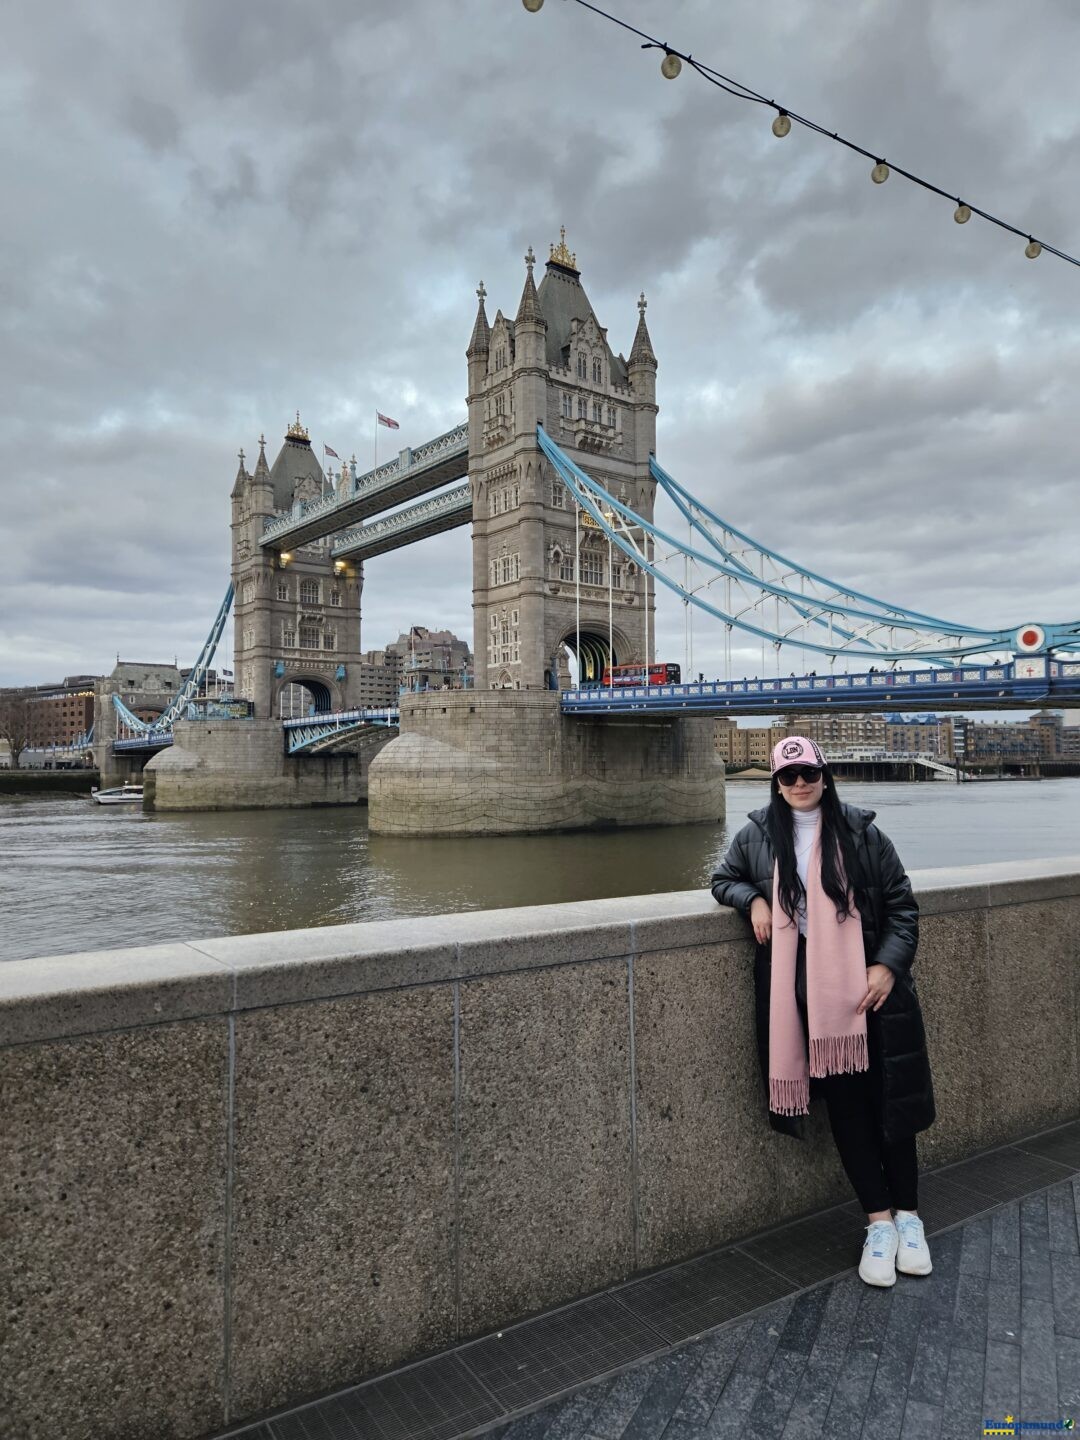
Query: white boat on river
{"points": [[118, 795]]}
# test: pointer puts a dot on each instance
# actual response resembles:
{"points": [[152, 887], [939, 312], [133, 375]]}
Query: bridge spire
{"points": [[262, 469], [481, 335], [529, 312], [641, 352]]}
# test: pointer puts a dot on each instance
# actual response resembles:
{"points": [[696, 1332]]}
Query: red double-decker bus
{"points": [[639, 675]]}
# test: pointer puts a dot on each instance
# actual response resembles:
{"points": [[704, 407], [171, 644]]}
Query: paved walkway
{"points": [[796, 1346], [994, 1331]]}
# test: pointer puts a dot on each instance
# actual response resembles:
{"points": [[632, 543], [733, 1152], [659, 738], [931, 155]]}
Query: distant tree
{"points": [[20, 722]]}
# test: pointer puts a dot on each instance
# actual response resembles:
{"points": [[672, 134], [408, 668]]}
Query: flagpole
{"points": [[376, 465]]}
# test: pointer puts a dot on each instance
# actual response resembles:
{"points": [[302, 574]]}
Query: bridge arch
{"points": [[323, 694], [595, 646]]}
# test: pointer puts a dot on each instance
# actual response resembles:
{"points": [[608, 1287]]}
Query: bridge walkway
{"points": [[776, 1336]]}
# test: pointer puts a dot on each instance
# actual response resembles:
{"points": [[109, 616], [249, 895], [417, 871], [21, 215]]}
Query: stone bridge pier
{"points": [[499, 762]]}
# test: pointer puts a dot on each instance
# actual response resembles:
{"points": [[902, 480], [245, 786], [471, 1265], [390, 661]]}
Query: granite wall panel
{"points": [[112, 1234], [343, 1191], [545, 1139]]}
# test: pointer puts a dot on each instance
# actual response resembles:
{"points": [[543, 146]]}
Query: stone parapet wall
{"points": [[242, 765], [241, 1172], [504, 761]]}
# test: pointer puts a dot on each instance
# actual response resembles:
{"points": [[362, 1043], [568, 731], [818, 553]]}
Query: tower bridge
{"points": [[556, 472]]}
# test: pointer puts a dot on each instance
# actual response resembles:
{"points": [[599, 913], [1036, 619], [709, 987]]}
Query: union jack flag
{"points": [[327, 451]]}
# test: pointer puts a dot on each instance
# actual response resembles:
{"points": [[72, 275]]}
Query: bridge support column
{"points": [[499, 762], [242, 765]]}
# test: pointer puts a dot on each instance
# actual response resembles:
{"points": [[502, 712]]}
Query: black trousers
{"points": [[883, 1176]]}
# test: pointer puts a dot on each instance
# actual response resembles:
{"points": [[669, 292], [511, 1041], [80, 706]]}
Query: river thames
{"points": [[77, 876]]}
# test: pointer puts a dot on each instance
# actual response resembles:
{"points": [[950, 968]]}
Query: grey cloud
{"points": [[293, 211]]}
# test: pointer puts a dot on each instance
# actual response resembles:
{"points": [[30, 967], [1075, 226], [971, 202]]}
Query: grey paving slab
{"points": [[728, 1420], [1001, 1383], [851, 1394], [671, 1376], [930, 1363], [889, 1393], [810, 1404], [921, 1421], [1065, 1273], [807, 1310], [841, 1308], [772, 1404], [1061, 1217], [975, 1253], [1038, 1361], [762, 1338], [1067, 1353], [1003, 1312], [1005, 1227], [963, 1410], [623, 1398], [718, 1356]]}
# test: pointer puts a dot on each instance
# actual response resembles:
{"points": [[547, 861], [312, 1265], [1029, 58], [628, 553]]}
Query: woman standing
{"points": [[836, 927]]}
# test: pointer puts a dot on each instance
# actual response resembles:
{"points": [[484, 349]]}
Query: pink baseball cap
{"points": [[796, 750]]}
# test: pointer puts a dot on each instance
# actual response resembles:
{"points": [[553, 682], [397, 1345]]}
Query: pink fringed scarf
{"points": [[835, 985]]}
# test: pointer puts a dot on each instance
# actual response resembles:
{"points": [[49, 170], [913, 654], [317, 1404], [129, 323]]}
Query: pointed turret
{"points": [[481, 335], [530, 327], [529, 312], [641, 352], [262, 469], [241, 478]]}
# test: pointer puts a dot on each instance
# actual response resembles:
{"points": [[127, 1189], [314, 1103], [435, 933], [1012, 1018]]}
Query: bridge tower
{"points": [[297, 615], [552, 364]]}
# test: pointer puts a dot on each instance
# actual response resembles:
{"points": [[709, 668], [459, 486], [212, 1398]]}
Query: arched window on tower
{"points": [[582, 407], [567, 406], [597, 372], [309, 592], [582, 367]]}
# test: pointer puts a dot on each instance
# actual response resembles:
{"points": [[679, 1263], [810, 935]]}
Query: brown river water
{"points": [[78, 876]]}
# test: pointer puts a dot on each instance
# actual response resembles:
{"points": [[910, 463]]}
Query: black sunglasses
{"points": [[809, 774]]}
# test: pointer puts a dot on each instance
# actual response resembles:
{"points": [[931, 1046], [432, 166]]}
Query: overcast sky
{"points": [[216, 215]]}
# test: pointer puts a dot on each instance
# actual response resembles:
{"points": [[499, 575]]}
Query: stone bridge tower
{"points": [[552, 363], [297, 614]]}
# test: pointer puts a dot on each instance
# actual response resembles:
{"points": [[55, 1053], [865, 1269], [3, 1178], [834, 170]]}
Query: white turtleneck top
{"points": [[806, 828]]}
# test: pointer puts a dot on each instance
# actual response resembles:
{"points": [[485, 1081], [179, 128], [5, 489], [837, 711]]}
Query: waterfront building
{"points": [[840, 730], [432, 660], [920, 734], [380, 677], [750, 745]]}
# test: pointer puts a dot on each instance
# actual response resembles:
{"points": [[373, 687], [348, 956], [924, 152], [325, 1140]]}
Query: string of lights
{"points": [[671, 67]]}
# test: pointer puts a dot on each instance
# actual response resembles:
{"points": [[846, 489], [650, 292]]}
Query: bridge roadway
{"points": [[416, 472], [968, 687]]}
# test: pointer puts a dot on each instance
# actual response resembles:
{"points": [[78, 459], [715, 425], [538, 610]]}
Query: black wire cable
{"points": [[740, 91]]}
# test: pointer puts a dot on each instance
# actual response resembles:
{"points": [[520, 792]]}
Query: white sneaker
{"points": [[913, 1256], [878, 1263]]}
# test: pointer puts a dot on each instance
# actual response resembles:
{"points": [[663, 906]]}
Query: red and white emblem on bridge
{"points": [[1030, 638]]}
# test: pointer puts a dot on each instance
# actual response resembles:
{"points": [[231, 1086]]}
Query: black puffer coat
{"points": [[896, 1039]]}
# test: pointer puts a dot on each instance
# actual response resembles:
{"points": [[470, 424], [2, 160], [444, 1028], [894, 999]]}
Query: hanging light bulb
{"points": [[880, 173], [962, 213], [670, 66], [533, 5], [1032, 249], [781, 126]]}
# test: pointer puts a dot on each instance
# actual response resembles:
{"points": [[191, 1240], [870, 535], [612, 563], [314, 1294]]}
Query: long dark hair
{"points": [[839, 869]]}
